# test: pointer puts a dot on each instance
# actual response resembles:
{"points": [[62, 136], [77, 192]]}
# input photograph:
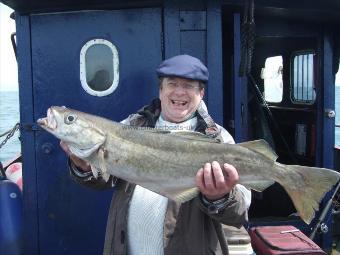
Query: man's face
{"points": [[179, 98]]}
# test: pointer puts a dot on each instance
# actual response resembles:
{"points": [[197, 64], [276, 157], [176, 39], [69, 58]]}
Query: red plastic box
{"points": [[275, 240]]}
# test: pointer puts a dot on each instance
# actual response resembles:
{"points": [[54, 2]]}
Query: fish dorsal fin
{"points": [[183, 195], [153, 130], [185, 134], [262, 147], [192, 135]]}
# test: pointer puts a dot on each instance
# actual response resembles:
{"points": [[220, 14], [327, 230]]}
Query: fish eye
{"points": [[70, 118]]}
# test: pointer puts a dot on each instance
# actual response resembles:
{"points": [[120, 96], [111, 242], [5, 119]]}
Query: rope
{"points": [[247, 38], [9, 134], [251, 36], [263, 102], [221, 237]]}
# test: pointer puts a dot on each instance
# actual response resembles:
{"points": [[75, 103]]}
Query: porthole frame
{"points": [[115, 61]]}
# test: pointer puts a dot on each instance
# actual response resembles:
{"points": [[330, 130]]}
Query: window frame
{"points": [[291, 94]]}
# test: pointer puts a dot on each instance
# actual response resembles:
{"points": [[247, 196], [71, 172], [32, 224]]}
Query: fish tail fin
{"points": [[311, 184]]}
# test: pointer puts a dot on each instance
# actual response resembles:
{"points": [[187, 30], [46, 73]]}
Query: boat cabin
{"points": [[272, 71]]}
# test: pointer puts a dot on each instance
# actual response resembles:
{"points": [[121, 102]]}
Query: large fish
{"points": [[167, 162]]}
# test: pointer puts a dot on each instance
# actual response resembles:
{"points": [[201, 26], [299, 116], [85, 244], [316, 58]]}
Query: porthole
{"points": [[99, 67]]}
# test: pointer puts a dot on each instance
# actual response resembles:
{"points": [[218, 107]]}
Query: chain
{"points": [[9, 134]]}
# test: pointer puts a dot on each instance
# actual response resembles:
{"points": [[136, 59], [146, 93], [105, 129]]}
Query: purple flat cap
{"points": [[184, 66]]}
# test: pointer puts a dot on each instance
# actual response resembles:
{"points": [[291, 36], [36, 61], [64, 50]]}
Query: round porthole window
{"points": [[99, 67]]}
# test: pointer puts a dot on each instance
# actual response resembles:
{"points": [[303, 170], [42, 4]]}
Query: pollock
{"points": [[167, 162]]}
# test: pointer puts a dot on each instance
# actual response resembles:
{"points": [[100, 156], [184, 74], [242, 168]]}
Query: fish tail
{"points": [[307, 186]]}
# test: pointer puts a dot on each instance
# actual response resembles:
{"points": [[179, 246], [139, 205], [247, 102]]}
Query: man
{"points": [[143, 222]]}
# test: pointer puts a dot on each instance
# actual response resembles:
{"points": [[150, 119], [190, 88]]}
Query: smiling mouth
{"points": [[178, 102]]}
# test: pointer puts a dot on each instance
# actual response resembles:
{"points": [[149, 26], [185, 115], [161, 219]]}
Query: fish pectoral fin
{"points": [[84, 153], [192, 135], [106, 176], [262, 147], [102, 166], [102, 154], [184, 195], [95, 171], [258, 185]]}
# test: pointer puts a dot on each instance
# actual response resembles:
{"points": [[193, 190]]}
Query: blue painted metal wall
{"points": [[194, 27], [62, 217], [328, 99], [325, 123]]}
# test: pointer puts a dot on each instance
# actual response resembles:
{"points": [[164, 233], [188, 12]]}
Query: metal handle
{"points": [[330, 113]]}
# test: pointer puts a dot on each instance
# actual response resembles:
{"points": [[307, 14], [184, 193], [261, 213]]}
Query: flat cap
{"points": [[184, 66]]}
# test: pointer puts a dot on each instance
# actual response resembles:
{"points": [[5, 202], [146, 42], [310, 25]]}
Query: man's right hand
{"points": [[80, 163]]}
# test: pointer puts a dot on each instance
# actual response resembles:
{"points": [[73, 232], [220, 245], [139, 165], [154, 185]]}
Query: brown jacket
{"points": [[188, 227]]}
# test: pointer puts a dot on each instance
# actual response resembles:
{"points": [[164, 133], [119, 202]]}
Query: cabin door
{"points": [[101, 62]]}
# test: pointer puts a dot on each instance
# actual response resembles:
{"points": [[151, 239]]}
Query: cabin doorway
{"points": [[292, 66]]}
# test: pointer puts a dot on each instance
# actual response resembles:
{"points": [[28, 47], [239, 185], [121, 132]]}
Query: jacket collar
{"points": [[149, 115]]}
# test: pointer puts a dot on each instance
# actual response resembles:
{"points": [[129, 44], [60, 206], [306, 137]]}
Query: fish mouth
{"points": [[49, 122]]}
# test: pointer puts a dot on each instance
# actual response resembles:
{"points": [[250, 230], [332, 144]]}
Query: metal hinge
{"points": [[30, 127], [162, 44]]}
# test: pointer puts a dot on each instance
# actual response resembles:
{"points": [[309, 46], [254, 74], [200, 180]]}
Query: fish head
{"points": [[75, 129]]}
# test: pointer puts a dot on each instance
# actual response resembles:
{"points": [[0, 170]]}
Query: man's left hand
{"points": [[215, 182]]}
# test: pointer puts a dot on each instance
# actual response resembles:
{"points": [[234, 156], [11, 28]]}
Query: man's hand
{"points": [[213, 182], [80, 163]]}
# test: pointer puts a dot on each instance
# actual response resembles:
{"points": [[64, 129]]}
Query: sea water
{"points": [[9, 116], [337, 116]]}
